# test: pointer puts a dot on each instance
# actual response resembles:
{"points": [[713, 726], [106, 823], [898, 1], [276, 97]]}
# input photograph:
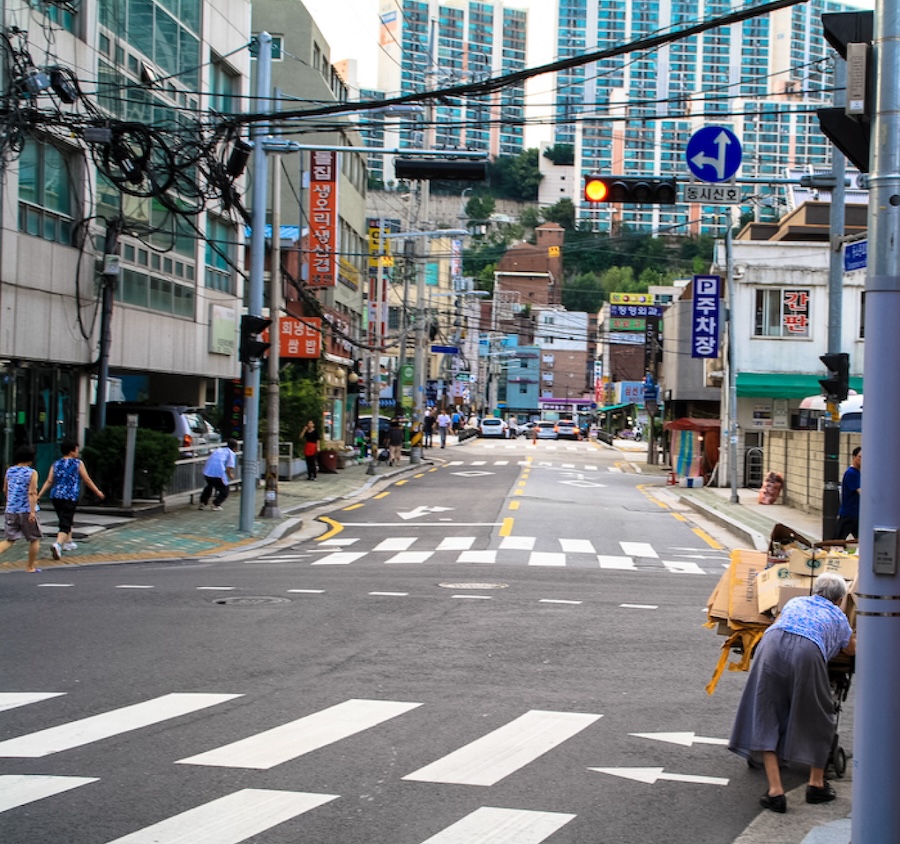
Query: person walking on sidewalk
{"points": [[395, 442], [21, 492], [311, 450], [848, 513], [64, 482], [217, 471], [427, 428], [786, 711], [443, 423]]}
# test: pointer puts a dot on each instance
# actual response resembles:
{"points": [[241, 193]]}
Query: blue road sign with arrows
{"points": [[713, 154]]}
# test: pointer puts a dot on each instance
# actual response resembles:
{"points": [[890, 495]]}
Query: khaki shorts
{"points": [[19, 526]]}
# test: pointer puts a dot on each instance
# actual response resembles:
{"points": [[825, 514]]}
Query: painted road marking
{"points": [[107, 724], [638, 549], [396, 543], [17, 790], [409, 557], [651, 775], [10, 700], [608, 561], [502, 826], [517, 543], [682, 739], [390, 594], [230, 819], [273, 747], [456, 543], [477, 557], [307, 591], [500, 753], [639, 606], [342, 542], [577, 546], [557, 601], [546, 558], [683, 567], [339, 558]]}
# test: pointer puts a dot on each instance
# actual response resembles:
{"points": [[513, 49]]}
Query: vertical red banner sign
{"points": [[322, 245]]}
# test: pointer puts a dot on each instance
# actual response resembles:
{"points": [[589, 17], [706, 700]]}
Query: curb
{"points": [[755, 538]]}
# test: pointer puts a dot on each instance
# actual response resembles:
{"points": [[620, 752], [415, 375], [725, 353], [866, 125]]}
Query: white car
{"points": [[493, 427], [546, 430]]}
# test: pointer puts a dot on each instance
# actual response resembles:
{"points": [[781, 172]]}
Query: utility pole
{"points": [[732, 374], [876, 774], [108, 279], [250, 458], [373, 377]]}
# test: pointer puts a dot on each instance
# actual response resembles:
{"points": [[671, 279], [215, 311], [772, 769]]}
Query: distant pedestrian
{"points": [[443, 423], [311, 450], [20, 489], [427, 428], [395, 442], [457, 422], [217, 471], [64, 482], [848, 513]]}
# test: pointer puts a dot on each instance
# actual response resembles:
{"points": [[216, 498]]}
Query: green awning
{"points": [[784, 385], [614, 407]]}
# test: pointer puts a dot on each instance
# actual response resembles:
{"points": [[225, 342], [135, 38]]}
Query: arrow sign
{"points": [[423, 511], [683, 739], [713, 147], [651, 775]]}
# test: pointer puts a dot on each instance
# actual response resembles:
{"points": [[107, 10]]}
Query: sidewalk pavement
{"points": [[190, 533]]}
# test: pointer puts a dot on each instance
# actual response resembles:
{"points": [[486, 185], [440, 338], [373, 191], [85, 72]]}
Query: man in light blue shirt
{"points": [[217, 471]]}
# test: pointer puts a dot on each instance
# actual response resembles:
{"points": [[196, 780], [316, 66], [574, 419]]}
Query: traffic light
{"points": [[837, 385], [252, 348], [638, 191], [442, 169]]}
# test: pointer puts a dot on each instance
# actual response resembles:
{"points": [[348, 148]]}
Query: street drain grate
{"points": [[473, 585], [251, 601]]}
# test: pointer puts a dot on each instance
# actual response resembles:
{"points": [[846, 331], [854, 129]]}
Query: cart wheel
{"points": [[839, 762]]}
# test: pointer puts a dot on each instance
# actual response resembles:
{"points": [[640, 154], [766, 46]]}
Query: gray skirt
{"points": [[787, 706]]}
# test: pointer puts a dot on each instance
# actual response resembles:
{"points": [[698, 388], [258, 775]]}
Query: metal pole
{"points": [[250, 458], [415, 451], [374, 376], [109, 278], [732, 375], [876, 774], [270, 508]]}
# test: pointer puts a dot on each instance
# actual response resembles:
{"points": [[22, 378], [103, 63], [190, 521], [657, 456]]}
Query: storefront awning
{"points": [[783, 385], [614, 407]]}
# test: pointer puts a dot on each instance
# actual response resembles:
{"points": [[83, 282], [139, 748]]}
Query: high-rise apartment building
{"points": [[633, 114]]}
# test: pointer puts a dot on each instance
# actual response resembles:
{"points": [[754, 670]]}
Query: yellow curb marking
{"points": [[514, 505], [382, 494], [519, 492], [507, 526], [679, 517], [434, 468], [420, 475], [713, 543], [336, 528], [645, 489], [400, 483], [354, 506]]}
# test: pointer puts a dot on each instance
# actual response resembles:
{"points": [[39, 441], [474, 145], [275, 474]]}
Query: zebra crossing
{"points": [[509, 550], [235, 816]]}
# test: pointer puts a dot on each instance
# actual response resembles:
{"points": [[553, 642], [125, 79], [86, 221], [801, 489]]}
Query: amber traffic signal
{"points": [[638, 191]]}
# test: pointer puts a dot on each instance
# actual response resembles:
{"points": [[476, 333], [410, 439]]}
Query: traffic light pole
{"points": [[260, 167], [876, 774]]}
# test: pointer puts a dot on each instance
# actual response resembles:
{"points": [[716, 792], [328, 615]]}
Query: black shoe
{"points": [[814, 794], [778, 803]]}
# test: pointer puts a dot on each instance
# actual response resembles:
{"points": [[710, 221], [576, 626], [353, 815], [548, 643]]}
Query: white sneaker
{"points": [[56, 551], [216, 507], [202, 507], [70, 546]]}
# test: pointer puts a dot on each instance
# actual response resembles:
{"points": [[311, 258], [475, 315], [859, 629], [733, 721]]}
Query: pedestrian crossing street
{"points": [[501, 751], [510, 550]]}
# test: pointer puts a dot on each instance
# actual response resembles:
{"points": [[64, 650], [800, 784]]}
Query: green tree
{"points": [[563, 213], [530, 217], [155, 454], [583, 293], [300, 399], [515, 176], [480, 207], [561, 154]]}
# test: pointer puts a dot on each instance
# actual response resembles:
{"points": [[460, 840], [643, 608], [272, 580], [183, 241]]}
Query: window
{"points": [[45, 192], [220, 247], [63, 15], [782, 312], [222, 88]]}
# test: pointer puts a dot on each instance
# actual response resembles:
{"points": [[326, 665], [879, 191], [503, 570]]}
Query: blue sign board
{"points": [[636, 310], [713, 154], [445, 350], [856, 255], [705, 316]]}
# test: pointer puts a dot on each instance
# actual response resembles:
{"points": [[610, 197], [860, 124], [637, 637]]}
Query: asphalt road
{"points": [[498, 670]]}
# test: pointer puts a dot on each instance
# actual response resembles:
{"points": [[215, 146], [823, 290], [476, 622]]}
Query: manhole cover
{"points": [[473, 585], [251, 601]]}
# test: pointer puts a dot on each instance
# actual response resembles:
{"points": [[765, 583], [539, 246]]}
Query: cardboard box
{"points": [[717, 605], [816, 561], [770, 582], [743, 604], [787, 592]]}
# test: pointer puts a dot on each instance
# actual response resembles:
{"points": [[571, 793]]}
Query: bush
{"points": [[155, 454]]}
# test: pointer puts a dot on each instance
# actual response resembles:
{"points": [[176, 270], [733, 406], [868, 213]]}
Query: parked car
{"points": [[188, 424], [566, 429], [491, 426], [545, 430]]}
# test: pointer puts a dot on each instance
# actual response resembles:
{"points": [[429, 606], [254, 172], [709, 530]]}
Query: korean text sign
{"points": [[298, 338], [322, 248], [705, 316]]}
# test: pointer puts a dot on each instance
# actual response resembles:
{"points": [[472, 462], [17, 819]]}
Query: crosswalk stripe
{"points": [[409, 557], [639, 549], [477, 557], [490, 825], [339, 558], [230, 819], [340, 541], [682, 567], [456, 543], [272, 747], [577, 546], [546, 558], [501, 462], [107, 724], [517, 543], [500, 753], [19, 789], [10, 700], [608, 561], [395, 543]]}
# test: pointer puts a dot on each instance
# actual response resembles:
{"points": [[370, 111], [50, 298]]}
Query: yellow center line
{"points": [[514, 505], [336, 528], [713, 543], [382, 494], [420, 475], [507, 526], [354, 507], [400, 483], [434, 468]]}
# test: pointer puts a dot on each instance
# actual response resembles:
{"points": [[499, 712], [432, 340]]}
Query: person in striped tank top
{"points": [[21, 519]]}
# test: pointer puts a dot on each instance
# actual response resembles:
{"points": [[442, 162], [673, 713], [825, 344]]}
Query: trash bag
{"points": [[384, 455], [771, 488]]}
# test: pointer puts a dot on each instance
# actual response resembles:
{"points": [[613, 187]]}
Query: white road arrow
{"points": [[703, 160], [423, 511], [683, 739], [651, 775]]}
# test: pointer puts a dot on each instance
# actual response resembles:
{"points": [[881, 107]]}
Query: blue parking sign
{"points": [[705, 316]]}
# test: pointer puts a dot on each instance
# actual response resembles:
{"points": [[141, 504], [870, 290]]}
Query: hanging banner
{"points": [[322, 245], [632, 299], [298, 338], [705, 316]]}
